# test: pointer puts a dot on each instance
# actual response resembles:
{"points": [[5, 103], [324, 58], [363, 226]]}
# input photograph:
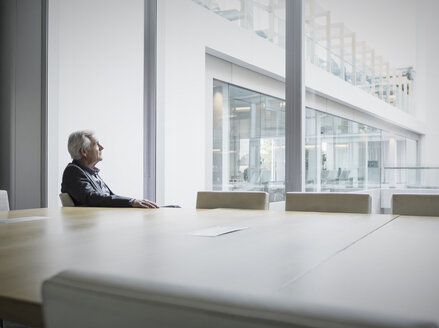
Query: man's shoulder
{"points": [[73, 169]]}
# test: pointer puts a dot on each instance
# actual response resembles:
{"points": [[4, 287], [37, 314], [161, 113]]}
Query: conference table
{"points": [[355, 261], [394, 271]]}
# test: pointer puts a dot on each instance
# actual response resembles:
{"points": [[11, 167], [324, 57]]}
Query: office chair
{"points": [[4, 206], [252, 200], [415, 204], [4, 203], [66, 200], [328, 202]]}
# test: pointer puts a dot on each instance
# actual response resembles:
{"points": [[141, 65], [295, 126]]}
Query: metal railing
{"points": [[331, 46]]}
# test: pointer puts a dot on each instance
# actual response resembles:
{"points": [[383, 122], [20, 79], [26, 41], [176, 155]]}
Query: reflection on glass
{"points": [[398, 154], [248, 141], [266, 18], [332, 46], [340, 154]]}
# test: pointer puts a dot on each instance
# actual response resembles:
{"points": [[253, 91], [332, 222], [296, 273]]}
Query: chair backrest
{"points": [[74, 299], [328, 202], [4, 202], [415, 204], [66, 200], [252, 200]]}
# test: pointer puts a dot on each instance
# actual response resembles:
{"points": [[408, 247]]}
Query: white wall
{"points": [[427, 73], [96, 82], [388, 26]]}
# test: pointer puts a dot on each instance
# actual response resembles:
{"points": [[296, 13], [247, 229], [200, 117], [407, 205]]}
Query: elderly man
{"points": [[81, 178]]}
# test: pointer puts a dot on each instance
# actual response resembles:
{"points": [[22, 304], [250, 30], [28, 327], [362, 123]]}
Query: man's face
{"points": [[93, 155]]}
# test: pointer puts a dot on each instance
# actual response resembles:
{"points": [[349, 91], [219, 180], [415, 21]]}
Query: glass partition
{"points": [[400, 162], [248, 141], [340, 154], [411, 177]]}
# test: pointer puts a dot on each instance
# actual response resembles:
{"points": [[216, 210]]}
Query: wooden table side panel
{"points": [[24, 312]]}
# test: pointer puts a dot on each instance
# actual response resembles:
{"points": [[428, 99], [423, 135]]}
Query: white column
{"points": [[342, 64], [372, 64], [328, 42], [271, 21], [354, 59]]}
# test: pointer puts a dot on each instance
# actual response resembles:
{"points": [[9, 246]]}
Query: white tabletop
{"points": [[393, 271], [277, 248]]}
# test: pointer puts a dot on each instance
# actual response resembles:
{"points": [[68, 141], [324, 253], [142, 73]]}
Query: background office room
{"points": [[299, 137]]}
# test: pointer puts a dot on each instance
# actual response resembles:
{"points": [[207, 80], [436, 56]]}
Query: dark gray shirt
{"points": [[86, 187]]}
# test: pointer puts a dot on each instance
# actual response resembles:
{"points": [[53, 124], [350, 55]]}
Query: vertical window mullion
{"points": [[295, 97]]}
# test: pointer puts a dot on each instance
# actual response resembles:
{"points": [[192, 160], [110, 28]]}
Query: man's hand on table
{"points": [[143, 203]]}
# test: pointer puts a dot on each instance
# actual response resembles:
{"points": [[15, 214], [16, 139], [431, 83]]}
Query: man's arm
{"points": [[76, 183]]}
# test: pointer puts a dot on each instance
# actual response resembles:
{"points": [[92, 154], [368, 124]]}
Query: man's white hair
{"points": [[79, 140]]}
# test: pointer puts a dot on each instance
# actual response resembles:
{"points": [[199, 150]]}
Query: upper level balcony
{"points": [[329, 45]]}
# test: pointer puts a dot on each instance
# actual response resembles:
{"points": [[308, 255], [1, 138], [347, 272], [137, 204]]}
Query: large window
{"points": [[340, 154], [344, 155], [248, 141]]}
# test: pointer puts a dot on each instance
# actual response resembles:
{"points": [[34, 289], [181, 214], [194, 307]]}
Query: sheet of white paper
{"points": [[215, 231], [28, 218]]}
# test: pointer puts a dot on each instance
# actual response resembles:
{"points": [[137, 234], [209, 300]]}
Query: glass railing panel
{"points": [[321, 56], [336, 65], [348, 72], [411, 177], [265, 18]]}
